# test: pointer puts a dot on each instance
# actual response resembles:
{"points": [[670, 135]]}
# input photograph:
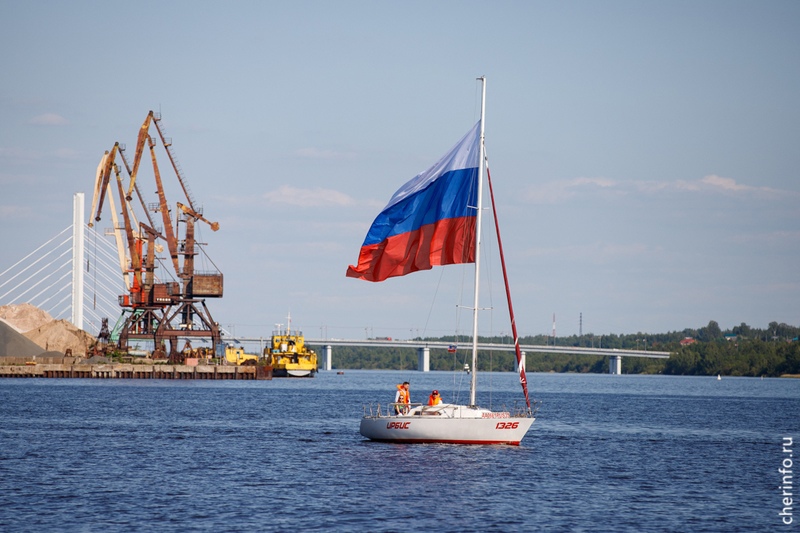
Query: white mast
{"points": [[474, 374]]}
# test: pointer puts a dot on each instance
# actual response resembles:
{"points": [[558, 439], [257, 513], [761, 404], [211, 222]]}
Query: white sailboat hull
{"points": [[451, 424]]}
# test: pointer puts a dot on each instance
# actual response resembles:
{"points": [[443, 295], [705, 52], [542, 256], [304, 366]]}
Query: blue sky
{"points": [[644, 153]]}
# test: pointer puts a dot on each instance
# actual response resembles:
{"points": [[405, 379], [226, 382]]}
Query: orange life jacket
{"points": [[402, 395]]}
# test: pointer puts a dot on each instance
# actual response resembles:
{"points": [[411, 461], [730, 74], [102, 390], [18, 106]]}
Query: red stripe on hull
{"points": [[437, 441]]}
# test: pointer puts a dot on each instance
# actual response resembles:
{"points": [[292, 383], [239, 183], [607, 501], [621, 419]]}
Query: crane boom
{"points": [[192, 213], [101, 182], [123, 257], [168, 147], [134, 244], [135, 185], [144, 135], [172, 242], [98, 180]]}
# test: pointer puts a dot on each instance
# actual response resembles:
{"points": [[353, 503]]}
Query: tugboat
{"points": [[289, 354]]}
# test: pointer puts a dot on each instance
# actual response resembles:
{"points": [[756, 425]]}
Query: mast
{"points": [[474, 374]]}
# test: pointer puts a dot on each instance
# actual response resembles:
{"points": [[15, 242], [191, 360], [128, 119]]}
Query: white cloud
{"points": [[727, 184], [294, 196], [14, 211], [66, 153], [719, 184], [49, 119], [681, 185], [556, 191]]}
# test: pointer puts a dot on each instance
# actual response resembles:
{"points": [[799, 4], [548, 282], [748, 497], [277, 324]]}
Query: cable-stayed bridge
{"points": [[74, 276]]}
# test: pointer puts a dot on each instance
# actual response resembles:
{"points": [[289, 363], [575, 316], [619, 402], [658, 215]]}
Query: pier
{"points": [[135, 371]]}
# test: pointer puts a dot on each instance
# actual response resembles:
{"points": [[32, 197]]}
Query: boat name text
{"points": [[398, 425], [496, 415]]}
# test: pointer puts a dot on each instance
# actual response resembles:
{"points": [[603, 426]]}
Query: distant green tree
{"points": [[742, 330], [753, 352], [711, 332], [790, 355], [682, 362]]}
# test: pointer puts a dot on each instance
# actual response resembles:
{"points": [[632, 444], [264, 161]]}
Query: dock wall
{"points": [[131, 371]]}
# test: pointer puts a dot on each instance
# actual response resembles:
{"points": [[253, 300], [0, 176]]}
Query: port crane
{"points": [[164, 312]]}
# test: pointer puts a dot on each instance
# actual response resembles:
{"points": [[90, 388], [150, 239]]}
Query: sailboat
{"points": [[435, 220]]}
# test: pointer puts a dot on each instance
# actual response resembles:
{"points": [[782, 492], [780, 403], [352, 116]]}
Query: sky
{"points": [[644, 154]]}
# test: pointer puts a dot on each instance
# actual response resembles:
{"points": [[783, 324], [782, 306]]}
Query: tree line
{"points": [[739, 351]]}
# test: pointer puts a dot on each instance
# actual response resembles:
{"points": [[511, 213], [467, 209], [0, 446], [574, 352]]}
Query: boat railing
{"points": [[407, 409], [391, 409], [521, 410]]}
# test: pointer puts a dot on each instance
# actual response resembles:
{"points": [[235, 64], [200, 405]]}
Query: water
{"points": [[607, 453]]}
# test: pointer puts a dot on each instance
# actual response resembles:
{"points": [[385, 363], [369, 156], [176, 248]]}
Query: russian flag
{"points": [[429, 221]]}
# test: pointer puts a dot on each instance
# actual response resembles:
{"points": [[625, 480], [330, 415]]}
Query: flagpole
{"points": [[474, 374]]}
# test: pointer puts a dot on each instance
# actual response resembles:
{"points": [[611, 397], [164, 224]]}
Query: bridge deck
{"points": [[527, 348]]}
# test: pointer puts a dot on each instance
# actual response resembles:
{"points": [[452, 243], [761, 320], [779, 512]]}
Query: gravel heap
{"points": [[15, 344]]}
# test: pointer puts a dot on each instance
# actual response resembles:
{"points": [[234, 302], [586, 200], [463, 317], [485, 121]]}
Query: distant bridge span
{"points": [[423, 350]]}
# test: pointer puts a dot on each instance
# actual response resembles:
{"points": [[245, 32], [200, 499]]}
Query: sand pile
{"points": [[24, 317], [60, 335], [26, 330]]}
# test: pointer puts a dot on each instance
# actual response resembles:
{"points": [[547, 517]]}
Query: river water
{"points": [[607, 453]]}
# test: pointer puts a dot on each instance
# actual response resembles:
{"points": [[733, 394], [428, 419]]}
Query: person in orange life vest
{"points": [[402, 397], [434, 398]]}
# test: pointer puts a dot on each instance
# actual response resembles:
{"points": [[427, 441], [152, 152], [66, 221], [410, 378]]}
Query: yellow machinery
{"points": [[235, 355], [289, 355]]}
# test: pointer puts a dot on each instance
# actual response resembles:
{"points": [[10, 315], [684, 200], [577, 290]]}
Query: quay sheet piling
{"points": [[135, 371]]}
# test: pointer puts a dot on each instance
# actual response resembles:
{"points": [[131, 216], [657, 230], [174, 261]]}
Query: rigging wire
{"points": [[433, 301], [94, 285]]}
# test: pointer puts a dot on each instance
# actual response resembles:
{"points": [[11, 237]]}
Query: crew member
{"points": [[402, 399], [434, 398]]}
